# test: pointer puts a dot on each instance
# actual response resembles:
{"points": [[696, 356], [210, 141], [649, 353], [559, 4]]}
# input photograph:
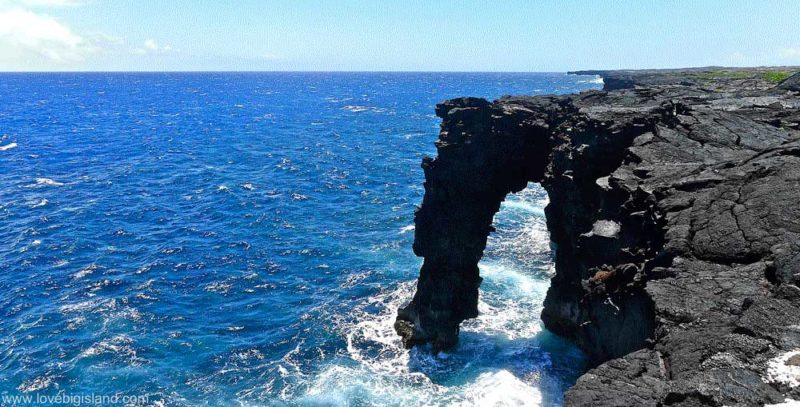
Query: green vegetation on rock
{"points": [[777, 76], [769, 76], [725, 75]]}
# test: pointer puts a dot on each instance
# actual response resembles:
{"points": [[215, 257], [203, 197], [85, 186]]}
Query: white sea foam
{"points": [[48, 182], [406, 229], [93, 306], [8, 146], [512, 311], [360, 109], [119, 346], [597, 80], [381, 371], [356, 109], [218, 287], [779, 371], [524, 241], [387, 372], [497, 361], [498, 389], [521, 235], [37, 383], [38, 203], [532, 199], [532, 207], [85, 272], [516, 281], [785, 403]]}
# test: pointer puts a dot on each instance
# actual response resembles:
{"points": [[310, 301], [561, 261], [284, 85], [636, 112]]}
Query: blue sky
{"points": [[368, 35]]}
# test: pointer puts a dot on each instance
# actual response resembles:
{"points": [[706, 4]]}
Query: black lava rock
{"points": [[673, 206]]}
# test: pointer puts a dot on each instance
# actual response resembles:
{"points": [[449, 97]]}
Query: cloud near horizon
{"points": [[31, 37], [152, 47], [42, 3], [791, 52]]}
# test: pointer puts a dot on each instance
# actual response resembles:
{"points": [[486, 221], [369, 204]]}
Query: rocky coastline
{"points": [[674, 212]]}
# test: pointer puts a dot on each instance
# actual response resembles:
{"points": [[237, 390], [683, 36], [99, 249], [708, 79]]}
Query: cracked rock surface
{"points": [[675, 210]]}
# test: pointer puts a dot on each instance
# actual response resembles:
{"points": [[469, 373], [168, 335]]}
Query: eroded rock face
{"points": [[464, 187], [674, 209], [791, 83]]}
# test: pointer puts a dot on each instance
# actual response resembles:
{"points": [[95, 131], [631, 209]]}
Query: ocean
{"points": [[245, 239]]}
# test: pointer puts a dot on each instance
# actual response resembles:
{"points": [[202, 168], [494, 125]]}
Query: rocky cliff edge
{"points": [[675, 211]]}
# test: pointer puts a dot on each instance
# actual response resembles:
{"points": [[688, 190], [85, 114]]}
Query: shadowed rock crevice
{"points": [[673, 209]]}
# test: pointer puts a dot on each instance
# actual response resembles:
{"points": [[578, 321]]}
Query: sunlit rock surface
{"points": [[673, 207]]}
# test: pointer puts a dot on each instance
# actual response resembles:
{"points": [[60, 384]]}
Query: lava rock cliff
{"points": [[674, 210]]}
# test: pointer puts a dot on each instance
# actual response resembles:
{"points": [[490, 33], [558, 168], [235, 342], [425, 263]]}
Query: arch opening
{"points": [[489, 150]]}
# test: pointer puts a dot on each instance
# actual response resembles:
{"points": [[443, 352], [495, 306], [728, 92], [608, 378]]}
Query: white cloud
{"points": [[27, 37], [30, 39], [151, 47], [44, 3], [793, 53]]}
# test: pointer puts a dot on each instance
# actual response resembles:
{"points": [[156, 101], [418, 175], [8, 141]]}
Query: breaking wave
{"points": [[504, 356]]}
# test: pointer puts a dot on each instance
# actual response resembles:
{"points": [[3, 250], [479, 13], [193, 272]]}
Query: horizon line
{"points": [[275, 71], [571, 71]]}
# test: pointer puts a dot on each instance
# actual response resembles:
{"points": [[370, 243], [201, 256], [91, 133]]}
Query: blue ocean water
{"points": [[245, 239]]}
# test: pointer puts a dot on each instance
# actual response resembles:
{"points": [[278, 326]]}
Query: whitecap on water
{"points": [[119, 347], [218, 287], [48, 182], [356, 109], [85, 272], [406, 229], [38, 203], [60, 263], [8, 146], [93, 306], [359, 109], [37, 383]]}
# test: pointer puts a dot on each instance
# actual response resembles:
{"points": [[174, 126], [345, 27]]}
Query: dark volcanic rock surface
{"points": [[791, 83], [674, 208]]}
